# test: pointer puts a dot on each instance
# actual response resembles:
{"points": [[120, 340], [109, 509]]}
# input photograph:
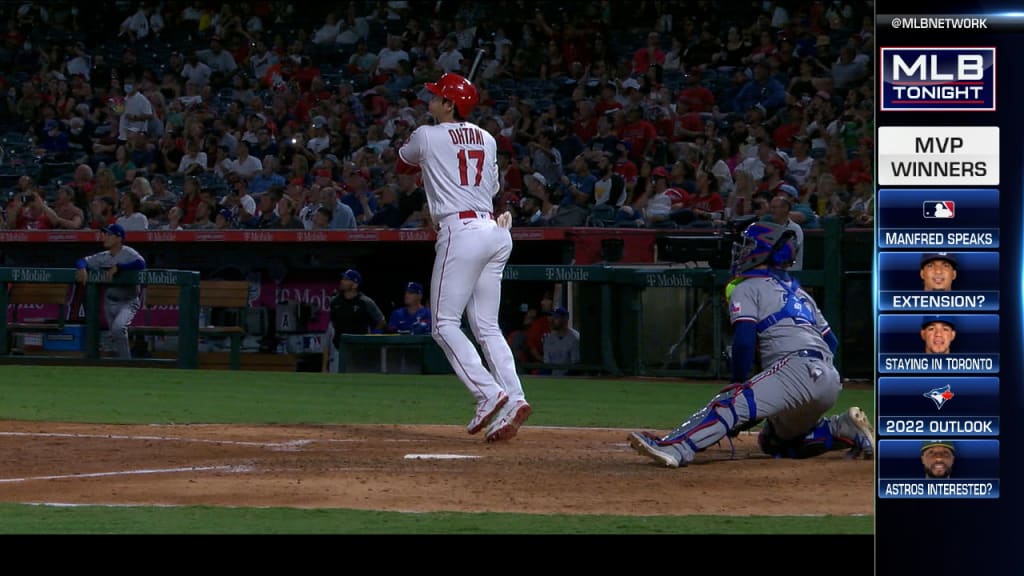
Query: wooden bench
{"points": [[24, 294], [212, 294]]}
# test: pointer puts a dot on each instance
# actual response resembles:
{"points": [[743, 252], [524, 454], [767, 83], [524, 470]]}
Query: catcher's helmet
{"points": [[460, 91], [763, 243]]}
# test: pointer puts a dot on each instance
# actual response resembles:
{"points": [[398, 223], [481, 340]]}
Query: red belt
{"points": [[473, 214]]}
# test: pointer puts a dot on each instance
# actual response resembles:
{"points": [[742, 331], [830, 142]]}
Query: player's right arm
{"points": [[412, 152], [743, 315]]}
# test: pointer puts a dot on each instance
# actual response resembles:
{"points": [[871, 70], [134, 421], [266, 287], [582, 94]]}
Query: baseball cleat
{"points": [[485, 412], [853, 425], [646, 444], [506, 425]]}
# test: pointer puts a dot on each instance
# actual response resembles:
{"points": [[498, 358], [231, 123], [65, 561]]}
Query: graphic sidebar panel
{"points": [[948, 300]]}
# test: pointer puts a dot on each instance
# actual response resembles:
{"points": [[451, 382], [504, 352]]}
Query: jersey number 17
{"points": [[476, 155]]}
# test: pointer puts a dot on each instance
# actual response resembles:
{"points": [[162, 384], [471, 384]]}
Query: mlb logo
{"points": [[938, 79], [939, 209]]}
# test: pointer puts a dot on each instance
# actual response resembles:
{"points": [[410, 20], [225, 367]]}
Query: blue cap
{"points": [[790, 189], [414, 288], [560, 311], [930, 256], [226, 214], [353, 275], [115, 229], [932, 319]]}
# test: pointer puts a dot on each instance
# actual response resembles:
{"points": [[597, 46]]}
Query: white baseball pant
{"points": [[470, 257]]}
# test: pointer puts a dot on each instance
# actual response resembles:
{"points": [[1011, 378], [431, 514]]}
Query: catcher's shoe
{"points": [[506, 425], [485, 412], [647, 445], [853, 426]]}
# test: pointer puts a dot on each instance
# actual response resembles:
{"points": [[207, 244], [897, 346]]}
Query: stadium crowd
{"points": [[208, 115]]}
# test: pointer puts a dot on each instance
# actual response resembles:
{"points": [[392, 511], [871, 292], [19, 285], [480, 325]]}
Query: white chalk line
{"points": [[235, 469], [285, 445]]}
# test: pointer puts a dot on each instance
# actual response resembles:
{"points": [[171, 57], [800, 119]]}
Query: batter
{"points": [[459, 166], [769, 310]]}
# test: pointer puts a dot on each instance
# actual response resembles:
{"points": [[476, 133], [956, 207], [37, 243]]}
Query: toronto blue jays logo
{"points": [[940, 395]]}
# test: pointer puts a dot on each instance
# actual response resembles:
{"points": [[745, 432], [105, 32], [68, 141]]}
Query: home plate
{"points": [[440, 457]]}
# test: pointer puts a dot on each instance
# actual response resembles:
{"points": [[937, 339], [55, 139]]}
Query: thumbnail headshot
{"points": [[938, 271], [938, 333], [937, 457]]}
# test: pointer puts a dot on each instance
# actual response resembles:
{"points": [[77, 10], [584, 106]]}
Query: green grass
{"points": [[143, 396], [25, 519]]}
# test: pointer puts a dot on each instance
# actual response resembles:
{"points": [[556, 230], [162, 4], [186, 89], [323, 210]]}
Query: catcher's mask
{"points": [[763, 243]]}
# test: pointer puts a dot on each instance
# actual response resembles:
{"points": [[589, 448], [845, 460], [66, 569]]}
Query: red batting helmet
{"points": [[460, 91]]}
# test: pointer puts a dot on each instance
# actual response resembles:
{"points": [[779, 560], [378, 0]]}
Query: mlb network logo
{"points": [[938, 79]]}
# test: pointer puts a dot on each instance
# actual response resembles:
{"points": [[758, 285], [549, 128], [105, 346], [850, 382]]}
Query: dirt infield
{"points": [[543, 470]]}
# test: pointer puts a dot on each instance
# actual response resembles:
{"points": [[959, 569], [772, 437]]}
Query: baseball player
{"points": [[413, 317], [770, 310], [459, 168], [938, 270], [937, 458], [121, 301], [938, 333]]}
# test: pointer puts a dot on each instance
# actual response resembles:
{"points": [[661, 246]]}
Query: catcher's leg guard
{"points": [[713, 422], [816, 442]]}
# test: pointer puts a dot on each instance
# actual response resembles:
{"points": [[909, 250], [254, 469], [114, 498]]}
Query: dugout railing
{"points": [[188, 308]]}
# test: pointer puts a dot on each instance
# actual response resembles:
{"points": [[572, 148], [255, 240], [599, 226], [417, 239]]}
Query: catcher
{"points": [[769, 309]]}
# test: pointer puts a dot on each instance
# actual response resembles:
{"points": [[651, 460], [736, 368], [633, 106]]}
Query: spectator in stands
{"points": [[244, 165], [190, 199], [204, 213], [123, 169], [220, 61], [780, 209], [267, 178], [342, 217], [545, 158], [64, 214], [667, 206], [388, 57], [707, 204], [322, 219], [196, 71], [138, 111], [579, 185], [649, 54], [131, 219], [106, 185], [27, 211], [412, 317], [173, 220], [266, 203], [529, 213], [562, 344], [412, 202], [101, 212], [160, 193], [801, 212], [225, 220], [194, 161], [800, 162], [287, 217], [847, 70], [761, 89]]}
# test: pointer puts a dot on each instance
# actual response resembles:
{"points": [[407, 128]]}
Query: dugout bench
{"points": [[23, 286]]}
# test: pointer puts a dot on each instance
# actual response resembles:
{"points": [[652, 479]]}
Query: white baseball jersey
{"points": [[459, 161]]}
